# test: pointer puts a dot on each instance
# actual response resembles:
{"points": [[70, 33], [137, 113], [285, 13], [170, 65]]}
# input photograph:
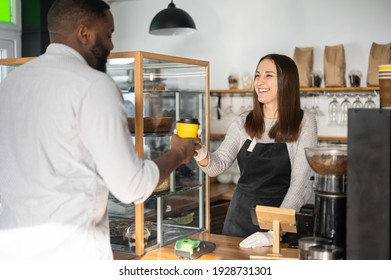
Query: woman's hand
{"points": [[258, 239], [200, 152]]}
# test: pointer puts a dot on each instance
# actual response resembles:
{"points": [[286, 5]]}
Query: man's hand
{"points": [[185, 147]]}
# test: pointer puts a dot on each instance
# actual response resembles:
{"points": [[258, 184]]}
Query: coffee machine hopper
{"points": [[330, 165]]}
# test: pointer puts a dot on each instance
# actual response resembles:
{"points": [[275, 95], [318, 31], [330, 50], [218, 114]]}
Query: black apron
{"points": [[265, 175]]}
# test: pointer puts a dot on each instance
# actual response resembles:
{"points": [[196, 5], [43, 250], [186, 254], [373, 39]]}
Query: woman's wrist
{"points": [[201, 154]]}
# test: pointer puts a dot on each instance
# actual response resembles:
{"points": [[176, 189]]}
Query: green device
{"points": [[193, 249]]}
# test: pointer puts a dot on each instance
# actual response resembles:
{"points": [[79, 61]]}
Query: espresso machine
{"points": [[330, 165]]}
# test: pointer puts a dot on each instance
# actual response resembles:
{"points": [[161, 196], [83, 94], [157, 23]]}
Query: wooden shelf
{"points": [[332, 138], [231, 91], [219, 191], [323, 90], [302, 90], [342, 89], [217, 136], [16, 61]]}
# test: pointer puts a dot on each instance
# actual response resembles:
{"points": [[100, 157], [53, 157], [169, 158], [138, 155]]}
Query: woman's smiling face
{"points": [[266, 82]]}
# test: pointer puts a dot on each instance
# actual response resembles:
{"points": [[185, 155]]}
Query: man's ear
{"points": [[83, 34]]}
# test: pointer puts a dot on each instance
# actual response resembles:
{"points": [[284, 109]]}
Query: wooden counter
{"points": [[227, 248]]}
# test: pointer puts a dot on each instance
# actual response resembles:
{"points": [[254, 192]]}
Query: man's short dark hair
{"points": [[65, 15]]}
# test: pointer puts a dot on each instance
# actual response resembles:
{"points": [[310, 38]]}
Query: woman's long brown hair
{"points": [[287, 127]]}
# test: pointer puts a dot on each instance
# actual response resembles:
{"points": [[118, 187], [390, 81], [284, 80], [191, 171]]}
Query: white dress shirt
{"points": [[64, 144]]}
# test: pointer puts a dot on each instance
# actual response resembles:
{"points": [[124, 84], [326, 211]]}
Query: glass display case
{"points": [[157, 90]]}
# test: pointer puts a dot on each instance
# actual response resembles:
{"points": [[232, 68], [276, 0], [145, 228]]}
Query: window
{"points": [[10, 28], [10, 14], [5, 11]]}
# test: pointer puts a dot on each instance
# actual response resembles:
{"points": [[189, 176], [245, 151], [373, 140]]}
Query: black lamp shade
{"points": [[172, 21]]}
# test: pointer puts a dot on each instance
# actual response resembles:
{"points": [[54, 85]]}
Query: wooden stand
{"points": [[278, 220]]}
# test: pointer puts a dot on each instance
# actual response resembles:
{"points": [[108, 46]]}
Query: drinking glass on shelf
{"points": [[355, 78], [345, 105], [304, 102], [228, 109], [315, 108], [334, 111], [369, 104], [316, 79], [242, 107], [357, 103]]}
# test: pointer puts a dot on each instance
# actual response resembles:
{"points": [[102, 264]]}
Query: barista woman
{"points": [[268, 143]]}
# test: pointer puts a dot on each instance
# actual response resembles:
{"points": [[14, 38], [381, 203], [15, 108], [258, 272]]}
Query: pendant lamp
{"points": [[172, 21]]}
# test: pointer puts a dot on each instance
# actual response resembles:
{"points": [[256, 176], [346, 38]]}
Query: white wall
{"points": [[233, 35]]}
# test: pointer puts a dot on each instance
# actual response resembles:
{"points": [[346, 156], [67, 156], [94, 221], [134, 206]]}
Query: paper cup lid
{"points": [[193, 121]]}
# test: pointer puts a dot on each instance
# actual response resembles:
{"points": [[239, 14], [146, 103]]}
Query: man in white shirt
{"points": [[65, 143]]}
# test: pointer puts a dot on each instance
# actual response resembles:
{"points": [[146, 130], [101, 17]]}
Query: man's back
{"points": [[47, 175]]}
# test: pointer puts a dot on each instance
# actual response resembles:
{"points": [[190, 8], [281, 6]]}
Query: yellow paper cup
{"points": [[187, 128]]}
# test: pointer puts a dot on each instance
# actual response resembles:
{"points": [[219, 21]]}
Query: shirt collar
{"points": [[56, 48]]}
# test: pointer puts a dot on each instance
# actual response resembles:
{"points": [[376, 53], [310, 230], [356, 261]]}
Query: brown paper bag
{"points": [[379, 54], [334, 66], [304, 59]]}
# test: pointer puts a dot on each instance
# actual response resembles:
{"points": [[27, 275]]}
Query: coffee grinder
{"points": [[330, 165]]}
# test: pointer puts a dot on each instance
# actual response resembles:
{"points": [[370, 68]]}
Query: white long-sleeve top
{"points": [[299, 190], [64, 144]]}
